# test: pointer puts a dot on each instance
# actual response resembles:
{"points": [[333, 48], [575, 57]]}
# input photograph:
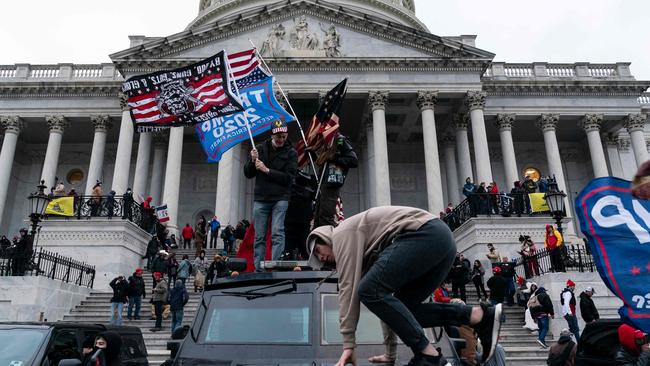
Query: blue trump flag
{"points": [[617, 226], [261, 108]]}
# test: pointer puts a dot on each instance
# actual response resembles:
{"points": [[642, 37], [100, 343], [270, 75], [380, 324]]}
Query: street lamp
{"points": [[38, 201]]}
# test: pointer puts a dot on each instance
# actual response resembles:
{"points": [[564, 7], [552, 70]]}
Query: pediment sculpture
{"points": [[301, 42]]}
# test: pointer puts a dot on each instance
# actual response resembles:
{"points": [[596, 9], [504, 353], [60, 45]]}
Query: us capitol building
{"points": [[423, 111]]}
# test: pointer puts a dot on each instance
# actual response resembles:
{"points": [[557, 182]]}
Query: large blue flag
{"points": [[617, 226]]}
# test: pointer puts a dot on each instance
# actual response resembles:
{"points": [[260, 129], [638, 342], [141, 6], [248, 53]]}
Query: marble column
{"points": [[614, 157], [475, 101], [378, 101], [426, 101], [504, 122], [628, 161], [160, 142], [591, 124], [461, 122], [228, 186], [173, 177], [142, 165], [11, 126], [451, 172], [124, 147], [102, 124], [370, 161], [57, 125], [635, 123]]}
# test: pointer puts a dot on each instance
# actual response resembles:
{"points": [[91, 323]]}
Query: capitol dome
{"points": [[397, 11]]}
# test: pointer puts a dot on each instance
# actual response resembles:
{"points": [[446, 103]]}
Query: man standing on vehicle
{"points": [[390, 258], [274, 164]]}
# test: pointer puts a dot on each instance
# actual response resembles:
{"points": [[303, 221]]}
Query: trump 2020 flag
{"points": [[181, 97], [617, 226], [261, 108]]}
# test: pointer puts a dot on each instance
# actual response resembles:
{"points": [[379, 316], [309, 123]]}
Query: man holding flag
{"points": [[274, 165]]}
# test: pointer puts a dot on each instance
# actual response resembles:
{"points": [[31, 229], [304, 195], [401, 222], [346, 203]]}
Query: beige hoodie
{"points": [[352, 242]]}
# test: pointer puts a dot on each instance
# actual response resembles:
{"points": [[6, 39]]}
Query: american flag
{"points": [[179, 96], [324, 125]]}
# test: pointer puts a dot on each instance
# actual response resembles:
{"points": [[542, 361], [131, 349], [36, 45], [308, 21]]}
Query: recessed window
{"points": [[533, 173], [75, 177]]}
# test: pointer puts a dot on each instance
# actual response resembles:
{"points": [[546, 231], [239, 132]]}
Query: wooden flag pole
{"points": [[293, 113]]}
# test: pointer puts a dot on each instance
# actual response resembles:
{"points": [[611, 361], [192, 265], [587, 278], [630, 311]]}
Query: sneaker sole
{"points": [[496, 329]]}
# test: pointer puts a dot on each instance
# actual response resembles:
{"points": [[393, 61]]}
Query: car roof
{"points": [[46, 325], [264, 278]]}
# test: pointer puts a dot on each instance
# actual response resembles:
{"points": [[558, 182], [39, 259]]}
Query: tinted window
{"points": [[368, 329], [275, 319], [63, 346], [18, 346]]}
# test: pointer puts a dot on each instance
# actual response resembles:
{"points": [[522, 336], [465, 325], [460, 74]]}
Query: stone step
{"points": [[522, 351], [526, 360]]}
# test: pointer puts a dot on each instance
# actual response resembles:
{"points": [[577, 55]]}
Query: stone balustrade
{"points": [[644, 99], [70, 72], [543, 70]]}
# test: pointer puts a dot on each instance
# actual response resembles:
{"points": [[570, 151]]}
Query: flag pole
{"points": [[232, 76], [293, 113]]}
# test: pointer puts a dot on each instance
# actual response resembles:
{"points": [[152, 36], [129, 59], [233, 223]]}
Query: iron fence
{"points": [[567, 258], [490, 204], [87, 207], [48, 264]]}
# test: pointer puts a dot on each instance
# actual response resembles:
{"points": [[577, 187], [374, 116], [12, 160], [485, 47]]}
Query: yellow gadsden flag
{"points": [[538, 203], [63, 206]]}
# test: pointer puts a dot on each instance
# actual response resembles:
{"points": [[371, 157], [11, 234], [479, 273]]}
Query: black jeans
{"points": [[213, 240], [478, 283], [158, 306], [404, 275], [326, 206], [457, 287]]}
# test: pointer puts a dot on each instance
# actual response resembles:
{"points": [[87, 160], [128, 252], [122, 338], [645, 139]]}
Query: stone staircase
{"points": [[96, 309]]}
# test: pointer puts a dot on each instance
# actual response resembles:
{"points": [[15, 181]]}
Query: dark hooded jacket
{"points": [[178, 296], [120, 290], [110, 356], [546, 305], [558, 350], [629, 353], [283, 167], [588, 308]]}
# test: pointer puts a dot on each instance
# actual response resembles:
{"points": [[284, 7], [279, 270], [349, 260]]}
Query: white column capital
{"points": [[377, 100], [548, 122], [124, 102], [56, 123], [591, 122], [448, 140], [475, 99], [624, 144], [635, 122], [426, 99], [460, 121], [11, 124], [102, 123], [505, 121], [610, 139]]}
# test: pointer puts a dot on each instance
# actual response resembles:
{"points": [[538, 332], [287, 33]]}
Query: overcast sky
{"points": [[87, 31]]}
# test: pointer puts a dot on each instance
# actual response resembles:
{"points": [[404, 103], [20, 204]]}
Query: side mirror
{"points": [[70, 362]]}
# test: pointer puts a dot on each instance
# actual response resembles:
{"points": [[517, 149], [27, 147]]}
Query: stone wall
{"points": [[26, 298]]}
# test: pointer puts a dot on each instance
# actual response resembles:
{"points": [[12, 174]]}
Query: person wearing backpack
{"points": [[563, 353], [541, 308]]}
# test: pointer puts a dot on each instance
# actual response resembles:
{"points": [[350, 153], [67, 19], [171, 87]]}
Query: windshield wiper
{"points": [[255, 294]]}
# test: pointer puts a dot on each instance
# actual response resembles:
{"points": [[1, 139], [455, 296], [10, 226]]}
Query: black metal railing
{"points": [[567, 258], [115, 207], [490, 204], [48, 264]]}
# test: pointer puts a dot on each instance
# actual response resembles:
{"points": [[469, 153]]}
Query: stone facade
{"points": [[408, 93]]}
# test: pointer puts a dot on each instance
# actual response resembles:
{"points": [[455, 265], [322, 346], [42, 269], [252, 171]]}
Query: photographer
{"points": [[120, 296]]}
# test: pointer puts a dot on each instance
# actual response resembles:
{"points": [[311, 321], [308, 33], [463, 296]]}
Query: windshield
{"points": [[368, 328], [280, 319], [18, 346]]}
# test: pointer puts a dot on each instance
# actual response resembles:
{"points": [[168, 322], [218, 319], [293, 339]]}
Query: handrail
{"points": [[15, 261], [567, 258]]}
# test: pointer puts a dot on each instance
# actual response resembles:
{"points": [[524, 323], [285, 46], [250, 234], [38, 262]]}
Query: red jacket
{"points": [[441, 295], [187, 233]]}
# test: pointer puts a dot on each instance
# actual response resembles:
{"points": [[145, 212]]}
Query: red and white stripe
{"points": [[243, 63]]}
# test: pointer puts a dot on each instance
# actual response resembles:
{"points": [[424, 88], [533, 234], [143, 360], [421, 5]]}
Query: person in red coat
{"points": [[187, 234]]}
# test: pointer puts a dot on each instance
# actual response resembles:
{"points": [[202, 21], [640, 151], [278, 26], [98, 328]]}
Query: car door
{"points": [[63, 345]]}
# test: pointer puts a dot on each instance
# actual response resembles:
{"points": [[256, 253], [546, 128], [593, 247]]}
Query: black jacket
{"points": [[283, 166], [497, 286], [136, 286], [216, 269], [588, 308], [625, 358], [546, 305], [178, 296], [344, 159], [120, 290]]}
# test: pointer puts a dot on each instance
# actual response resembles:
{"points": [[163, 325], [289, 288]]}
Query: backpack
{"points": [[560, 360], [533, 302]]}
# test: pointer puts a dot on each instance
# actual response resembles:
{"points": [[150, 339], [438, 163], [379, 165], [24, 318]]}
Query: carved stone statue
{"points": [[300, 38], [332, 42], [271, 46]]}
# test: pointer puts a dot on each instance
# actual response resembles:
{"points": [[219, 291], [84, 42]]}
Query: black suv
{"points": [[278, 318], [46, 344]]}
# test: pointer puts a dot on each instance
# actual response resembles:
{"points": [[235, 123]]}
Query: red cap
{"points": [[157, 275], [570, 283], [520, 280], [139, 270], [496, 269]]}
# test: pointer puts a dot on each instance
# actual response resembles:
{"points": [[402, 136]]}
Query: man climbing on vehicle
{"points": [[390, 258]]}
